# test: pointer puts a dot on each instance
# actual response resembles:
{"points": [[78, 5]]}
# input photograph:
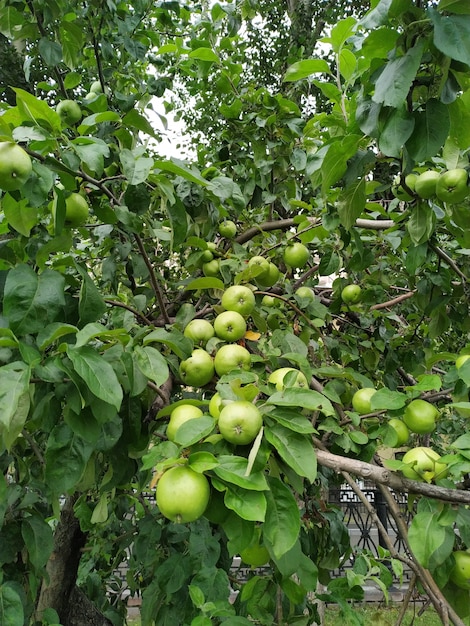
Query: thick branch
{"points": [[397, 300], [384, 476]]}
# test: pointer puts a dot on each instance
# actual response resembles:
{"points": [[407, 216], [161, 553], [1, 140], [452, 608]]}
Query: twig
{"points": [[450, 262], [383, 476], [138, 314], [153, 279], [34, 446], [389, 303], [406, 599]]}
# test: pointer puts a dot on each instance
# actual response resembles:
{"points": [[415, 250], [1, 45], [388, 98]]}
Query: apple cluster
{"points": [[449, 186]]}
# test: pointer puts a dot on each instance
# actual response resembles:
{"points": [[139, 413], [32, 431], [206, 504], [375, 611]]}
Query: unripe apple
{"points": [[452, 186], [425, 184]]}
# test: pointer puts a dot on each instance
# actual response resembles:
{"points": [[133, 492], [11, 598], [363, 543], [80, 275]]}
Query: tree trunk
{"points": [[59, 591]]}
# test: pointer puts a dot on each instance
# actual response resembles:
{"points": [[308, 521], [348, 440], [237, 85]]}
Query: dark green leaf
{"points": [[66, 457], [248, 504], [233, 468], [282, 523], [430, 131], [452, 35], [32, 301], [295, 449], [97, 374], [394, 83], [38, 538]]}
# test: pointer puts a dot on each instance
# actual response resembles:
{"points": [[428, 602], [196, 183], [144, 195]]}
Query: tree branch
{"points": [[393, 301], [153, 279], [383, 476]]}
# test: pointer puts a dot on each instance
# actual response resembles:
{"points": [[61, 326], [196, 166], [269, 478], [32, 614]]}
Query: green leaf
{"points": [[53, 332], [303, 69], [347, 63], [304, 398], [335, 163], [394, 83], [430, 541], [51, 51], [352, 203], [341, 32], [72, 37], [204, 54], [194, 430], [32, 301], [248, 504], [282, 524], [91, 305], [92, 151], [290, 418], [377, 16], [136, 120], [454, 6], [430, 131], [11, 606], [152, 364], [396, 131], [232, 469], [38, 538], [136, 168], [205, 283], [386, 399], [100, 512], [295, 449], [452, 35], [202, 461], [175, 166], [66, 458], [19, 214], [421, 223], [97, 374], [14, 401], [179, 344]]}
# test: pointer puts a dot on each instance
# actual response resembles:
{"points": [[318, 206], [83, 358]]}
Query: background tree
{"points": [[313, 177]]}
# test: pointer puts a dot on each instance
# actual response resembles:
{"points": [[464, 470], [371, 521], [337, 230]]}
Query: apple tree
{"points": [[194, 350]]}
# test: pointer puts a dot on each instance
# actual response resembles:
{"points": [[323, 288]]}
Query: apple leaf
{"points": [[248, 504], [152, 364], [452, 35], [431, 542], [386, 399], [306, 398], [232, 469], [305, 68], [194, 430], [295, 449], [394, 83], [97, 374], [282, 523]]}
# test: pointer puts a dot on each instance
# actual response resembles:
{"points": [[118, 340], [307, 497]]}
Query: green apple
{"points": [[296, 255], [256, 554], [277, 378], [401, 430], [216, 404], [15, 166], [230, 326], [269, 278], [269, 301], [230, 357], [399, 191], [240, 422], [199, 331], [76, 210], [69, 112], [423, 464], [198, 369], [460, 573], [182, 494], [260, 267], [452, 186], [361, 400], [211, 268], [206, 256], [239, 298], [420, 416], [227, 229], [351, 294], [181, 414], [306, 293], [96, 87], [425, 184]]}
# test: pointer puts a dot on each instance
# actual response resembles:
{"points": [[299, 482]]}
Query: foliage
{"points": [[93, 316]]}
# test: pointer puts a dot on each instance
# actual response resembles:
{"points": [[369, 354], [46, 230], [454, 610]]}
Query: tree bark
{"points": [[59, 591]]}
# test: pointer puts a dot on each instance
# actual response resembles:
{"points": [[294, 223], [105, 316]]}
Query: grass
{"points": [[372, 616]]}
